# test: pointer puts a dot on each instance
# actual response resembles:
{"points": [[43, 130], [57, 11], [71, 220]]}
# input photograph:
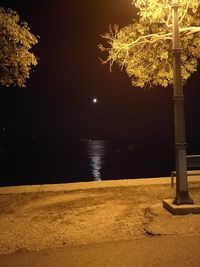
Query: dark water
{"points": [[34, 160]]}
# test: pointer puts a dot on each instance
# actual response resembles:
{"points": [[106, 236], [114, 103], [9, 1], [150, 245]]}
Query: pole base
{"points": [[182, 198], [180, 209]]}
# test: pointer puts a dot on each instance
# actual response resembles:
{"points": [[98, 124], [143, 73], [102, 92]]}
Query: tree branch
{"points": [[184, 14], [190, 30], [140, 41]]}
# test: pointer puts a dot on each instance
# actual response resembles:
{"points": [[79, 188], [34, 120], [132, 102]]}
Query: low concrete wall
{"points": [[88, 185]]}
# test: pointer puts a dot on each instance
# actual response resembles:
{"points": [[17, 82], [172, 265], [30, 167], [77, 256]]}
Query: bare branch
{"points": [[168, 20], [190, 30], [184, 14]]}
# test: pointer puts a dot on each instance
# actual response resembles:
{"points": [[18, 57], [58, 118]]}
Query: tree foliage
{"points": [[16, 59], [144, 48]]}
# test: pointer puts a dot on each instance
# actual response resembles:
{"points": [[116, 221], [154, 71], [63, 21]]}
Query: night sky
{"points": [[58, 97]]}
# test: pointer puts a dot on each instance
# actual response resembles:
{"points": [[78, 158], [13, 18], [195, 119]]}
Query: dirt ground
{"points": [[45, 220]]}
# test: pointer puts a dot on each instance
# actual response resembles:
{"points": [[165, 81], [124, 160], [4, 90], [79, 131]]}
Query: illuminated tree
{"points": [[16, 60], [143, 48]]}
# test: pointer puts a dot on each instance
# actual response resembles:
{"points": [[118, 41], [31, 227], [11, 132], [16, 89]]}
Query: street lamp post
{"points": [[182, 195]]}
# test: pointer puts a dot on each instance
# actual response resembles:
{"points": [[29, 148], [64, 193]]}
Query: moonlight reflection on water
{"points": [[96, 155]]}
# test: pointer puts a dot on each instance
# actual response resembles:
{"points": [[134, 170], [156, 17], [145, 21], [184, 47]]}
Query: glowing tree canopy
{"points": [[144, 48], [16, 41]]}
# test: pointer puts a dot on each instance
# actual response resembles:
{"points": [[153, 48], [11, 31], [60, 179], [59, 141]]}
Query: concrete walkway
{"points": [[160, 251], [168, 240]]}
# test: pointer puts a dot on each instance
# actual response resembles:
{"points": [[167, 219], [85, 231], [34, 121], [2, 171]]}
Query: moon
{"points": [[94, 100]]}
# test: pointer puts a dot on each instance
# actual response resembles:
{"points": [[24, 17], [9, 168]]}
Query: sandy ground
{"points": [[45, 220]]}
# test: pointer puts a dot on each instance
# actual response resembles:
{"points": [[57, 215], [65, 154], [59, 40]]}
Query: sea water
{"points": [[39, 160]]}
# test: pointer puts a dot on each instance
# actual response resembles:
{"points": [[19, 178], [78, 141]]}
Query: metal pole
{"points": [[182, 195]]}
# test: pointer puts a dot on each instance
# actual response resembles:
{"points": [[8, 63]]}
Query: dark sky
{"points": [[57, 99]]}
